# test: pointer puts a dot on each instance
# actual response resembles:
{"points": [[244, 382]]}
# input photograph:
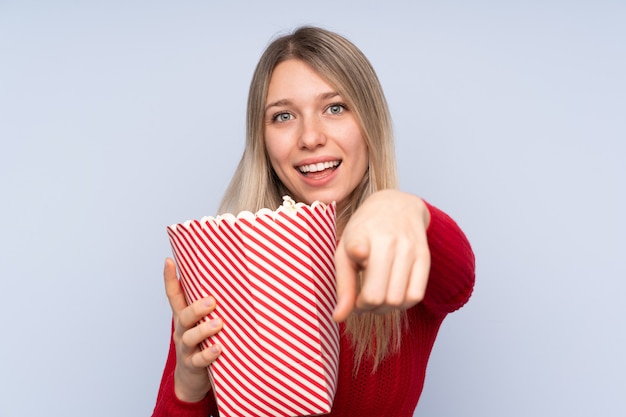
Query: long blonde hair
{"points": [[255, 184]]}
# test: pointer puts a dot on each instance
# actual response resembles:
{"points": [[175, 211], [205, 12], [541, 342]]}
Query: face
{"points": [[313, 139]]}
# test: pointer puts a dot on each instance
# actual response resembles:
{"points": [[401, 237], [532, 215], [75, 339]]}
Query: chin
{"points": [[324, 198]]}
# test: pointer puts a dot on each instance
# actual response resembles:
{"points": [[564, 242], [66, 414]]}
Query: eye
{"points": [[282, 117], [336, 108]]}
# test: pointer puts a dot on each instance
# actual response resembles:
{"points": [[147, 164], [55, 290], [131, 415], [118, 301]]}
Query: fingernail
{"points": [[215, 323], [215, 349], [208, 302]]}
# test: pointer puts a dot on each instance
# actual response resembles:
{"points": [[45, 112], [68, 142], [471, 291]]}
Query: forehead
{"points": [[295, 77]]}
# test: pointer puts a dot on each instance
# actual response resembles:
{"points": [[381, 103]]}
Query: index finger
{"points": [[346, 273]]}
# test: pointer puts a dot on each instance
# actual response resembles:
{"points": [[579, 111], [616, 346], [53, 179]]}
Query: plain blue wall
{"points": [[118, 118]]}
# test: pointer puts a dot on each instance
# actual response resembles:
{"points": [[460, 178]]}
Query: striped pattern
{"points": [[272, 275]]}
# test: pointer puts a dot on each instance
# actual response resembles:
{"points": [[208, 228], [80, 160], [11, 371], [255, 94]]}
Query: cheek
{"points": [[271, 149], [278, 157], [359, 149], [274, 156]]}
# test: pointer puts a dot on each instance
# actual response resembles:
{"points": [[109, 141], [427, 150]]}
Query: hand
{"points": [[385, 242], [191, 378]]}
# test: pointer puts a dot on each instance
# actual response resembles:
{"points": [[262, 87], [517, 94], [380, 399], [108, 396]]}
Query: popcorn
{"points": [[272, 274]]}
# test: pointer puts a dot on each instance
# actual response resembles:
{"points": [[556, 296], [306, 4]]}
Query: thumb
{"points": [[173, 289]]}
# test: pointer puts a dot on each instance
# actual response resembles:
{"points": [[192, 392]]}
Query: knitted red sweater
{"points": [[395, 387]]}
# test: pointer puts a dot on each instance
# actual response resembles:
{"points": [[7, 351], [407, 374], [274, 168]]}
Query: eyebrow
{"points": [[287, 102]]}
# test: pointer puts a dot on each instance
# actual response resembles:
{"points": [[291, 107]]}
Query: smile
{"points": [[320, 166]]}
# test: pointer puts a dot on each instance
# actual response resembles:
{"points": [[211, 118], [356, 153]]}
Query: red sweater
{"points": [[395, 388]]}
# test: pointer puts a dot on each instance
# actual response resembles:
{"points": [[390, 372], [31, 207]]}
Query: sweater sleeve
{"points": [[168, 405], [452, 264]]}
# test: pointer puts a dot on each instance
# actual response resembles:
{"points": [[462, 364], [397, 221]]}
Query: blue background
{"points": [[118, 118]]}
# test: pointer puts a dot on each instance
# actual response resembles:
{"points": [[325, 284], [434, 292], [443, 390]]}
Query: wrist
{"points": [[190, 392]]}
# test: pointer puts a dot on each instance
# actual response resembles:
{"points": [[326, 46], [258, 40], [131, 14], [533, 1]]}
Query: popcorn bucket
{"points": [[272, 274]]}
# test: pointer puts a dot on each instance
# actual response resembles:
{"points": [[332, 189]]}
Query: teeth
{"points": [[318, 167]]}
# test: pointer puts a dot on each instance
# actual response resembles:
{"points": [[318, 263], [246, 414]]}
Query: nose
{"points": [[312, 133]]}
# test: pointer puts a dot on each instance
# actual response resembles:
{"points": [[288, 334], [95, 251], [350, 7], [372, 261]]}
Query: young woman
{"points": [[318, 128]]}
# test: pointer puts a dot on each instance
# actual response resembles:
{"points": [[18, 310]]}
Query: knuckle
{"points": [[416, 296], [370, 299], [395, 300], [205, 357], [197, 360], [188, 338], [185, 319], [423, 253]]}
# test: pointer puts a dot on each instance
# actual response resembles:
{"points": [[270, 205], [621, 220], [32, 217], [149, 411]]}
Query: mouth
{"points": [[318, 169]]}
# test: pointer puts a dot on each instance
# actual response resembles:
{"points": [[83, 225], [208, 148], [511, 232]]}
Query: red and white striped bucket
{"points": [[272, 274]]}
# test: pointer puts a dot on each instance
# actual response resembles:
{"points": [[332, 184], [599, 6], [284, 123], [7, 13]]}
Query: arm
{"points": [[383, 259], [452, 268], [168, 404], [185, 385]]}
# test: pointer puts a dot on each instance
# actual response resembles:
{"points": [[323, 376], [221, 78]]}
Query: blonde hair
{"points": [[255, 184]]}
